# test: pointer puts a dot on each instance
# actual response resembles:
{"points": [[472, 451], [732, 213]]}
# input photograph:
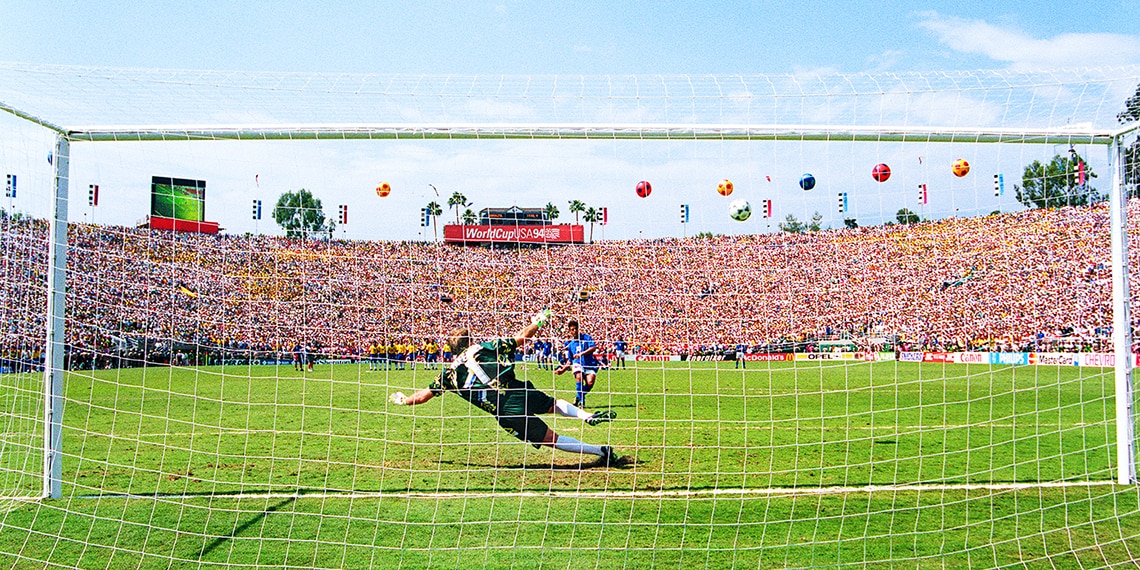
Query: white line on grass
{"points": [[791, 427], [680, 493]]}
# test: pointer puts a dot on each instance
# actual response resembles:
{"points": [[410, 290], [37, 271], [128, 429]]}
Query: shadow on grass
{"points": [[593, 464], [613, 407], [238, 529]]}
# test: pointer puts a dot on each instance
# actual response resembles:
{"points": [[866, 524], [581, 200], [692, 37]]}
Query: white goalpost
{"points": [[877, 367]]}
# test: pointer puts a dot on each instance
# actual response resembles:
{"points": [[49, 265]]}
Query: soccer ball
{"points": [[881, 172], [383, 189], [644, 188], [807, 182], [740, 210], [724, 188], [961, 167]]}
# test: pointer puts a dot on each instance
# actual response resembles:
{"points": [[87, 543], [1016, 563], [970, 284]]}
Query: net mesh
{"points": [[924, 378]]}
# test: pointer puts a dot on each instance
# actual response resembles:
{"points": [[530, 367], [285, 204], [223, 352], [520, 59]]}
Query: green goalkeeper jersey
{"points": [[487, 366]]}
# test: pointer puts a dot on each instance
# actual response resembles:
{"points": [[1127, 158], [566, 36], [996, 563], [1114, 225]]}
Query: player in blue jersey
{"points": [[539, 347], [580, 349], [547, 355], [619, 352]]}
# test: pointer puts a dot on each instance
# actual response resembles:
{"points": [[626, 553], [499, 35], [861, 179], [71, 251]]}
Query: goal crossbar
{"points": [[591, 131]]}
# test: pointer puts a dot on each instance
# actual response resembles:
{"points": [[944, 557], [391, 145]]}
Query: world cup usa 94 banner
{"points": [[564, 233]]}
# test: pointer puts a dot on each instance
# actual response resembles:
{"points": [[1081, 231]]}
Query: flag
{"points": [[185, 290]]}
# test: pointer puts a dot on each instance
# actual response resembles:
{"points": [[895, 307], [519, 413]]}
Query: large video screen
{"points": [[178, 198]]}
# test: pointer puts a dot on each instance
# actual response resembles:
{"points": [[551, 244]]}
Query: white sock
{"points": [[567, 443], [569, 410]]}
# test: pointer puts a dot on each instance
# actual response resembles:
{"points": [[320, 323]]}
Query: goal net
{"points": [[833, 320]]}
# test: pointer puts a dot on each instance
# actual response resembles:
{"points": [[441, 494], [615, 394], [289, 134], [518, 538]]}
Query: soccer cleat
{"points": [[579, 402], [609, 457], [600, 417]]}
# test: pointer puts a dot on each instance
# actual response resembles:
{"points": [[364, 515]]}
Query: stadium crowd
{"points": [[1031, 280]]}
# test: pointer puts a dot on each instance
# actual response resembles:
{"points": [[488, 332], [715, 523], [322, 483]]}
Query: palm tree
{"points": [[434, 210], [575, 207], [468, 217], [455, 201], [551, 211], [592, 215]]}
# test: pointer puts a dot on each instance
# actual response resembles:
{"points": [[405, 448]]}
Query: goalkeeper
{"points": [[484, 375]]}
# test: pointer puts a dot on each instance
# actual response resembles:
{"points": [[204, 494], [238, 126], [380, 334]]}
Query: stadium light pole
{"points": [[1121, 319], [54, 345]]}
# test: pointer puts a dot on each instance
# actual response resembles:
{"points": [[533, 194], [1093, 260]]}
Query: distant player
{"points": [[398, 354], [548, 354], [385, 349], [740, 361], [431, 355], [302, 357], [297, 358], [619, 352], [580, 349], [373, 357], [539, 346], [484, 375]]}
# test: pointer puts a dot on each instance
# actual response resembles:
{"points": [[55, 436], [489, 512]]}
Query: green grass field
{"points": [[885, 464]]}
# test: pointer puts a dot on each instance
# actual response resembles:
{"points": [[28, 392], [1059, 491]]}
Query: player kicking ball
{"points": [[484, 375], [580, 349]]}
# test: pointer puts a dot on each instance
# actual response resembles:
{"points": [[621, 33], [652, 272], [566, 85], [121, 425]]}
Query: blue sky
{"points": [[571, 37], [560, 38]]}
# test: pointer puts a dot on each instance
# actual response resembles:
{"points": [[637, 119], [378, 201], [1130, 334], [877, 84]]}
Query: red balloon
{"points": [[644, 188], [881, 172]]}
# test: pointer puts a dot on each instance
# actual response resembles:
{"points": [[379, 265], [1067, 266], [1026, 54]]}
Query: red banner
{"points": [[160, 223], [937, 357], [564, 233]]}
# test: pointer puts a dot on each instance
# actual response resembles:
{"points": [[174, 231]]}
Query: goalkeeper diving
{"points": [[484, 375]]}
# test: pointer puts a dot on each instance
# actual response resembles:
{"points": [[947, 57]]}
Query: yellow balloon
{"points": [[724, 188]]}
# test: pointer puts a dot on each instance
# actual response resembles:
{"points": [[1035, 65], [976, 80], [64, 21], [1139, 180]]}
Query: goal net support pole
{"points": [[1121, 319], [54, 361]]}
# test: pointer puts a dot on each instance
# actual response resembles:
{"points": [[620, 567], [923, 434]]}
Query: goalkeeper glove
{"points": [[541, 318], [398, 398]]}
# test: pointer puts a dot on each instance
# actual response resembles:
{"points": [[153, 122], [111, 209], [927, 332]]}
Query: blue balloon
{"points": [[807, 182]]}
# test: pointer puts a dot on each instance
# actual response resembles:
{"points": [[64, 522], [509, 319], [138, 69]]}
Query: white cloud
{"points": [[1024, 52], [885, 61]]}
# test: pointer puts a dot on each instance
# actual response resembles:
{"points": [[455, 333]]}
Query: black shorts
{"points": [[517, 411]]}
